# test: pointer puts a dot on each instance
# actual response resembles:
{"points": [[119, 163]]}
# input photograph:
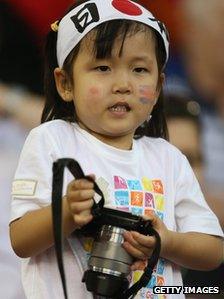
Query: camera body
{"points": [[109, 263]]}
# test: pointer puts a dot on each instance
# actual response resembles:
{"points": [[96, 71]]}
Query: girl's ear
{"points": [[63, 86]]}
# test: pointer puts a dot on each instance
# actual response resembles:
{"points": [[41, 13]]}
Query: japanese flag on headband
{"points": [[83, 18]]}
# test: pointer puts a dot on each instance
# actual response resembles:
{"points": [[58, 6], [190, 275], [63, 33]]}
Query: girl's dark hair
{"points": [[106, 34]]}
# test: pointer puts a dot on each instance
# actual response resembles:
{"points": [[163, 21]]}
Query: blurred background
{"points": [[194, 93]]}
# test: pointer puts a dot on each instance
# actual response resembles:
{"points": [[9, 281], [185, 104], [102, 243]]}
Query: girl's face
{"points": [[114, 96]]}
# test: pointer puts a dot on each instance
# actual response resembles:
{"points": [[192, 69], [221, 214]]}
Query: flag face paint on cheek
{"points": [[94, 92], [147, 94], [95, 96]]}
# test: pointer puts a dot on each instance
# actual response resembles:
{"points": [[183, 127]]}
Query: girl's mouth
{"points": [[119, 109]]}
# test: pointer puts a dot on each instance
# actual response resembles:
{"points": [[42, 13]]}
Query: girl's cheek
{"points": [[147, 95], [95, 93]]}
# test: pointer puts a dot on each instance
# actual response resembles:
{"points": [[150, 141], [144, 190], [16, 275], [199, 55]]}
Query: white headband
{"points": [[83, 18]]}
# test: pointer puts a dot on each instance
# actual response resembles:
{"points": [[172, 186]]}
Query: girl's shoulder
{"points": [[159, 145], [165, 155], [52, 132], [52, 126], [57, 128]]}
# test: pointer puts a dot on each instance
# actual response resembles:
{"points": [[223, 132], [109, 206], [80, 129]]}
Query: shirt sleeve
{"points": [[31, 188], [192, 212]]}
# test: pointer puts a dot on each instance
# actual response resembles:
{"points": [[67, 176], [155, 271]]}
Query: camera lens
{"points": [[109, 263], [108, 256]]}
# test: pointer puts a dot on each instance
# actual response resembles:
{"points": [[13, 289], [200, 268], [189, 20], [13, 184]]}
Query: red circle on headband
{"points": [[127, 7]]}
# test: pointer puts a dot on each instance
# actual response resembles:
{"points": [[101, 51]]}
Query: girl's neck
{"points": [[120, 142]]}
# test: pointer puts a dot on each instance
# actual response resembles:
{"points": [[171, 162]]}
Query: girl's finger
{"points": [[135, 252], [80, 195], [143, 240], [131, 239], [139, 241], [81, 220], [80, 184], [78, 207]]}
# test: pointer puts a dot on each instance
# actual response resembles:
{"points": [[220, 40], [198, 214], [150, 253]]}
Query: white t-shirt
{"points": [[154, 175]]}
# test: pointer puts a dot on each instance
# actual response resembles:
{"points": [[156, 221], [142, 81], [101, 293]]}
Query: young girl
{"points": [[104, 108]]}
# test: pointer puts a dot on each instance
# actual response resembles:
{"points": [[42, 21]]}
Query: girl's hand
{"points": [[79, 198], [141, 246]]}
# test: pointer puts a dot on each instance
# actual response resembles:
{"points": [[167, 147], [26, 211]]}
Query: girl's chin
{"points": [[118, 132], [112, 130]]}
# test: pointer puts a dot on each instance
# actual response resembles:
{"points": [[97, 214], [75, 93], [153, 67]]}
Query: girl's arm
{"points": [[32, 233], [194, 250], [191, 250]]}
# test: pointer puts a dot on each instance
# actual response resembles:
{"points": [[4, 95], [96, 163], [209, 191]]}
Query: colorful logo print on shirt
{"points": [[142, 197], [139, 197]]}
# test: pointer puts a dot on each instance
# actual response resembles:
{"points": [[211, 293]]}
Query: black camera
{"points": [[109, 263]]}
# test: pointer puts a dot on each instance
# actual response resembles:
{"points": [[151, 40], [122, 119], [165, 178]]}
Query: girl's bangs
{"points": [[107, 33]]}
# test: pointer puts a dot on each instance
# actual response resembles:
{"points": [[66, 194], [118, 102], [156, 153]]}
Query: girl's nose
{"points": [[122, 84]]}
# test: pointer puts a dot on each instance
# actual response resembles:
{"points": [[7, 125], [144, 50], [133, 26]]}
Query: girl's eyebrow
{"points": [[132, 59], [135, 59], [144, 58]]}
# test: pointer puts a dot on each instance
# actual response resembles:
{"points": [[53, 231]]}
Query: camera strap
{"points": [[57, 186]]}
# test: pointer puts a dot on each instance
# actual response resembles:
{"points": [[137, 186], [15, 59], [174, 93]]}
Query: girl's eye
{"points": [[102, 68], [140, 70]]}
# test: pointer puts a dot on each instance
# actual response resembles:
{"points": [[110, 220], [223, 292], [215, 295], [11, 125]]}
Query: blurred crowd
{"points": [[194, 94]]}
